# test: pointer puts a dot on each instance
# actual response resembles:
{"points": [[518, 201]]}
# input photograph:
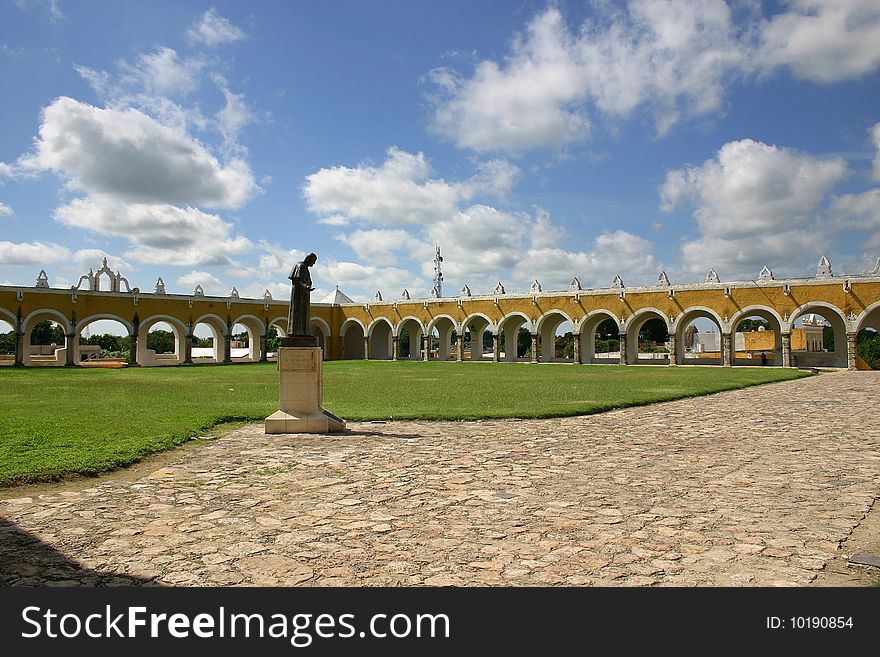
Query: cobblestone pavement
{"points": [[750, 487]]}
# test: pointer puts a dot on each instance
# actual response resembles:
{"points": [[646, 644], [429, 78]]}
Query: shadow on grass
{"points": [[25, 560]]}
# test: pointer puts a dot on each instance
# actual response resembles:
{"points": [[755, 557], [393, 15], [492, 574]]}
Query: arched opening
{"points": [[7, 342], [352, 340], [381, 340], [277, 330], [209, 340], [516, 339], [757, 338], [320, 330], [818, 338], [161, 342], [45, 339], [698, 338], [441, 331], [646, 340], [476, 339], [868, 340], [102, 340], [409, 339], [556, 341], [600, 340]]}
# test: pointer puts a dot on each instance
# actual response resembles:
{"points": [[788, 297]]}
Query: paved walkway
{"points": [[751, 487]]}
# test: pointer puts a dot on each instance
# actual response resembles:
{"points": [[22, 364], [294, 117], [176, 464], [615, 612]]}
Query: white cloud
{"points": [[401, 191], [5, 210], [334, 220], [275, 259], [159, 72], [859, 212], [53, 8], [823, 40], [361, 282], [212, 29], [234, 116], [755, 204], [32, 253], [85, 259], [384, 247], [210, 283], [672, 56], [133, 157], [875, 133], [159, 233]]}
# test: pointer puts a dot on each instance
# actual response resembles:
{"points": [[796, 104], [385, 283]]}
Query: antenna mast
{"points": [[438, 275]]}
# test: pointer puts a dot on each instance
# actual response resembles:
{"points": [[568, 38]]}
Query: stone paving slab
{"points": [[753, 487]]}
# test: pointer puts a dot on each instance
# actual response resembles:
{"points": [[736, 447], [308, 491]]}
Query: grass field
{"points": [[59, 421]]}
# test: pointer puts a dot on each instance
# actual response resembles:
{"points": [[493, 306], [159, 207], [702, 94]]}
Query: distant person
{"points": [[763, 358]]}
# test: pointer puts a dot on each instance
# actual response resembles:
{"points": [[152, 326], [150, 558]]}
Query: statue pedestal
{"points": [[301, 394]]}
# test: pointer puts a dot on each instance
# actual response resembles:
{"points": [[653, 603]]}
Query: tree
{"points": [[202, 342], [162, 342], [751, 324], [654, 330], [47, 332], [7, 343], [828, 338], [868, 347], [523, 342], [273, 343]]}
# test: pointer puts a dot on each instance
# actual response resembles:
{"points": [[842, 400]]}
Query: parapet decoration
{"points": [[824, 268], [499, 289], [405, 294], [378, 296], [663, 280], [617, 283], [160, 286], [574, 285], [233, 293], [198, 292], [536, 287], [465, 291], [766, 274], [43, 279], [712, 277], [94, 280], [876, 270]]}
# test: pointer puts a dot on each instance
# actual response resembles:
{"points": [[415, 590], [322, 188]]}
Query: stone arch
{"points": [[9, 316], [414, 330], [546, 327], [219, 329], [12, 320], [710, 346], [256, 329], [380, 334], [776, 323], [801, 353], [321, 330], [868, 318], [59, 358], [352, 332], [280, 324], [81, 324], [634, 325], [444, 325], [586, 333], [476, 324], [508, 332], [148, 357]]}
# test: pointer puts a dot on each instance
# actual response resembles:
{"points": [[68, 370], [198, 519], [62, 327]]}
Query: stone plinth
{"points": [[301, 392]]}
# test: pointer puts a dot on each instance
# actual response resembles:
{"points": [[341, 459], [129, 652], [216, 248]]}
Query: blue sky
{"points": [[216, 143]]}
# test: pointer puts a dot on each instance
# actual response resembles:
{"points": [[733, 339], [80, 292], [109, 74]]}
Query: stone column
{"points": [[496, 347], [727, 347], [426, 347], [673, 349], [460, 349], [227, 348], [69, 351], [264, 348], [188, 349], [577, 348], [19, 346], [851, 351], [395, 347], [622, 338], [133, 346], [366, 348], [786, 349], [534, 347]]}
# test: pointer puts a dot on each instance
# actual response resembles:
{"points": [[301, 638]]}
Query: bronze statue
{"points": [[298, 319]]}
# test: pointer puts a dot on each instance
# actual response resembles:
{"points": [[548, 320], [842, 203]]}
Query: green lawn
{"points": [[58, 421]]}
